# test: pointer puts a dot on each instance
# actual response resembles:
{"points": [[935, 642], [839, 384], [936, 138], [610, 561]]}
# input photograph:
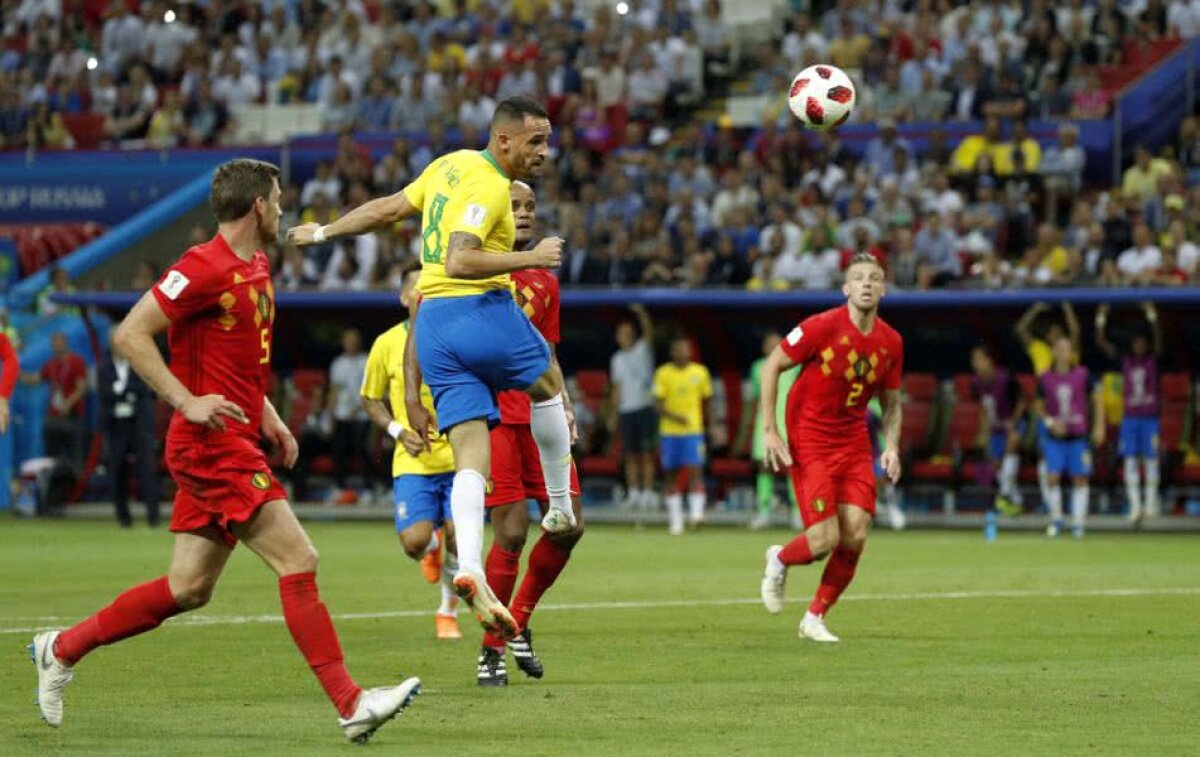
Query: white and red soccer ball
{"points": [[822, 97]]}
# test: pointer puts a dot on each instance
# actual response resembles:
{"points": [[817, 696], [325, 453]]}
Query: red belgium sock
{"points": [[312, 630], [546, 561], [839, 572], [796, 552], [501, 573], [140, 609]]}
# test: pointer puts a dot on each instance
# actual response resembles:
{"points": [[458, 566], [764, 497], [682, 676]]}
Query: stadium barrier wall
{"points": [[140, 226]]}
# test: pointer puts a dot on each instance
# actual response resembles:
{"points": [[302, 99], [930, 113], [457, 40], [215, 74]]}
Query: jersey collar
{"points": [[491, 159]]}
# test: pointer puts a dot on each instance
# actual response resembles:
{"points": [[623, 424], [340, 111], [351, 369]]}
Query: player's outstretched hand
{"points": [[778, 457], [302, 235], [548, 253], [211, 410], [890, 460]]}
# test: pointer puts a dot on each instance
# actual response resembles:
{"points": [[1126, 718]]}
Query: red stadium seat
{"points": [[87, 129], [304, 380], [920, 386], [592, 383], [916, 427], [1176, 387], [962, 386]]}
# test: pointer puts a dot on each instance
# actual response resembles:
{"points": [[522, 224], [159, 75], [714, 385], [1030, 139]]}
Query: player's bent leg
{"points": [[853, 524], [274, 534], [812, 545], [419, 539], [196, 564], [472, 459], [548, 422]]}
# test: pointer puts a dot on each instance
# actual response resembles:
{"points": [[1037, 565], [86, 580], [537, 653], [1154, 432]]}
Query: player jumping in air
{"points": [[1062, 406], [848, 356], [1140, 423], [421, 485], [217, 306], [517, 478], [470, 337]]}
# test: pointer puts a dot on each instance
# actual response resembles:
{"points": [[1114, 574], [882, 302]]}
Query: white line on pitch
{"points": [[233, 620]]}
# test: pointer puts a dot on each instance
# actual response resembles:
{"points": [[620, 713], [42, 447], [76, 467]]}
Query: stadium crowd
{"points": [[645, 190]]}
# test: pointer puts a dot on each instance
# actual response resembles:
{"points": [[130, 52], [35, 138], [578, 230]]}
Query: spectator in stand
{"points": [[937, 253], [1141, 181], [236, 87], [1090, 99], [350, 422], [129, 119], [167, 123], [121, 39], [127, 415], [206, 120], [968, 99], [631, 374], [46, 130], [647, 90], [1063, 164], [1140, 263], [965, 158]]}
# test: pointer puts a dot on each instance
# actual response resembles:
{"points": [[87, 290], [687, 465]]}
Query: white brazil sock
{"points": [[466, 508], [548, 422]]}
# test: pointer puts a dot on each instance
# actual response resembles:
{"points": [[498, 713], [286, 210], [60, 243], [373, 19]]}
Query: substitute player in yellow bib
{"points": [[683, 391], [421, 478], [470, 337]]}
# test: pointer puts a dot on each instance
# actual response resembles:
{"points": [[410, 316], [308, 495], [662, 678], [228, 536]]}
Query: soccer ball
{"points": [[822, 97]]}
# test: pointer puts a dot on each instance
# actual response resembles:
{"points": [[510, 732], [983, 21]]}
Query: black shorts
{"points": [[638, 430]]}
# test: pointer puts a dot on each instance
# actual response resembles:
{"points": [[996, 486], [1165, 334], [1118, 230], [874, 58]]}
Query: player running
{"points": [[1062, 406], [471, 338], [848, 356], [1140, 423], [517, 478], [217, 305], [1002, 407], [421, 483]]}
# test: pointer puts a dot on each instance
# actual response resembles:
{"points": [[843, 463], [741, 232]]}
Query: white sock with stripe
{"points": [[466, 508]]}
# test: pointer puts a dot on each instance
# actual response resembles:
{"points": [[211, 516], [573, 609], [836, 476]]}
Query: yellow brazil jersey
{"points": [[682, 391], [462, 191], [384, 378]]}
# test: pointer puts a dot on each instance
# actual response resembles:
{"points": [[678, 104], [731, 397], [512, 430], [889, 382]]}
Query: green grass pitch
{"points": [[652, 644]]}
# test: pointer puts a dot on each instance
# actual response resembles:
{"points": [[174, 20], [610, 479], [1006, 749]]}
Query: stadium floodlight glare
{"points": [[169, 17], [92, 63], [622, 8]]}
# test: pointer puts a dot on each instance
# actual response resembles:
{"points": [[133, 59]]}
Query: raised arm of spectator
{"points": [[645, 322], [10, 368], [1024, 327], [1102, 342], [1151, 314], [1073, 329]]}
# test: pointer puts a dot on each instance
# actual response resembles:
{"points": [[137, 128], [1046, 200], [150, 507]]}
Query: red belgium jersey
{"points": [[843, 369], [537, 294], [222, 309]]}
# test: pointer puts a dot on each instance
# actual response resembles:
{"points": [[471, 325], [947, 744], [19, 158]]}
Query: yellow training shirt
{"points": [[462, 191], [384, 378], [682, 391]]}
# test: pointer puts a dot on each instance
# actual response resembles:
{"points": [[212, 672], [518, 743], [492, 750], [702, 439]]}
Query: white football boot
{"points": [[376, 707], [812, 627], [558, 521], [53, 677], [773, 580]]}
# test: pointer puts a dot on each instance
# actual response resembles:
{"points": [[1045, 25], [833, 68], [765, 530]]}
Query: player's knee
{"points": [[194, 593], [823, 539], [546, 387], [512, 541], [303, 561], [854, 539]]}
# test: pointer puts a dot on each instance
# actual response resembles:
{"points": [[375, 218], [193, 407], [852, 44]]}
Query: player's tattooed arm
{"points": [[892, 417], [376, 214], [466, 259]]}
